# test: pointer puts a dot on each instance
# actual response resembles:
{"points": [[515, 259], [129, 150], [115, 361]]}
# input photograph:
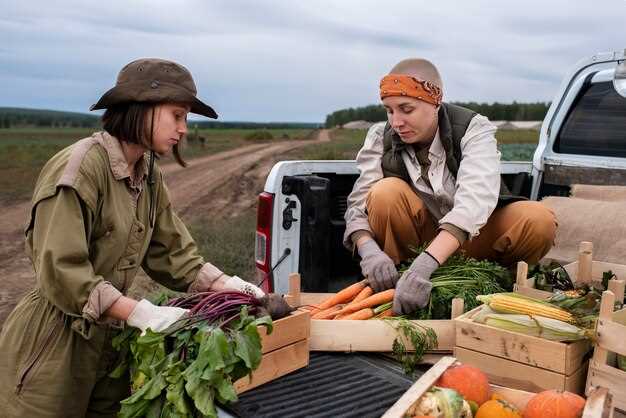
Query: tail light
{"points": [[263, 244]]}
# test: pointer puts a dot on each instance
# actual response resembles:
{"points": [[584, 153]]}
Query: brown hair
{"points": [[128, 122]]}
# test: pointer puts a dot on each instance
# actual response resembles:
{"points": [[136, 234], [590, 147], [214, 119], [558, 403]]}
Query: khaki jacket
{"points": [[465, 203], [87, 236], [89, 230]]}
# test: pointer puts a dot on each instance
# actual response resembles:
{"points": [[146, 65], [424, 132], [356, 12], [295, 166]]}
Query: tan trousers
{"points": [[520, 231]]}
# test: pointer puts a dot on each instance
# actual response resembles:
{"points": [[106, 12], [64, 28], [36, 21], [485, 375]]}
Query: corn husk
{"points": [[536, 326]]}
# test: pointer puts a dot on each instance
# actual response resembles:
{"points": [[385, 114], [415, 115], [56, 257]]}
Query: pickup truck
{"points": [[300, 217], [301, 223]]}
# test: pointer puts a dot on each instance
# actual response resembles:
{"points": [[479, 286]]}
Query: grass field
{"points": [[23, 152], [227, 243], [518, 145]]}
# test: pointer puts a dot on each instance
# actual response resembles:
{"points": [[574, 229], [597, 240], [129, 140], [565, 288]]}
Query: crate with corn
{"points": [[531, 343]]}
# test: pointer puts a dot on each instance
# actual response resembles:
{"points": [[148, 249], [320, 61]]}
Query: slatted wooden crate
{"points": [[598, 405], [583, 271], [521, 361], [369, 335], [610, 340], [531, 363], [285, 350]]}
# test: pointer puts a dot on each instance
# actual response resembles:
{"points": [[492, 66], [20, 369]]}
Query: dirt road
{"points": [[219, 185]]}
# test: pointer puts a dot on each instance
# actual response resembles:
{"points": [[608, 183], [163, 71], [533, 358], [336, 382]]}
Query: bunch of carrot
{"points": [[357, 301]]}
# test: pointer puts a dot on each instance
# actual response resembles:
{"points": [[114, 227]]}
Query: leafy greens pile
{"points": [[184, 371], [463, 277]]}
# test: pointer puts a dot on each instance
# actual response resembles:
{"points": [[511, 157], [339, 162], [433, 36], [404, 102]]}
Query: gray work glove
{"points": [[413, 288], [379, 269]]}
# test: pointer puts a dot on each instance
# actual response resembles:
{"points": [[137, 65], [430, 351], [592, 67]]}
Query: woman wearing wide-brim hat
{"points": [[100, 211]]}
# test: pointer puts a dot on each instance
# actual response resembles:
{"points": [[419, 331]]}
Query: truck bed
{"points": [[333, 385]]}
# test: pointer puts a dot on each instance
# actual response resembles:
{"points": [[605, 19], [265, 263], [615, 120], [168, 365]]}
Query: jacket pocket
{"points": [[35, 360]]}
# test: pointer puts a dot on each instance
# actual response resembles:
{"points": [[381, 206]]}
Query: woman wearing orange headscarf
{"points": [[431, 174]]}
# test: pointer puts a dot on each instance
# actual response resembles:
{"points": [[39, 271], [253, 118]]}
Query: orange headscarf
{"points": [[405, 85]]}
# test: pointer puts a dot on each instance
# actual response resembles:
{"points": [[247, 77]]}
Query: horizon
{"points": [[290, 61]]}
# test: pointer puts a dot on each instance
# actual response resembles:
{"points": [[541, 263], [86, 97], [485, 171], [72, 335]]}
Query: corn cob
{"points": [[512, 303], [536, 326]]}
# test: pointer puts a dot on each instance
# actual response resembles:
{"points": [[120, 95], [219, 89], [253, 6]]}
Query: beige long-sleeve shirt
{"points": [[465, 202]]}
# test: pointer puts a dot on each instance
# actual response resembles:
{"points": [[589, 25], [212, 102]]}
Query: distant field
{"points": [[518, 145], [23, 151]]}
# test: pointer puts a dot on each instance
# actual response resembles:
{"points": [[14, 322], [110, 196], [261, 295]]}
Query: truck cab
{"points": [[300, 218]]}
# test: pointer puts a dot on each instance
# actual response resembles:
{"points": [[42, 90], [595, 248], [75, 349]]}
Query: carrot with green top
{"points": [[369, 313], [343, 296], [363, 294], [385, 314], [384, 311], [374, 300]]}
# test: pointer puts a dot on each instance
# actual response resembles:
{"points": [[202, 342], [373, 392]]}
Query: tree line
{"points": [[494, 111], [11, 117]]}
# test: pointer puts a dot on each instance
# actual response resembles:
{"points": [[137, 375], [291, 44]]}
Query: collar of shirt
{"points": [[435, 151], [118, 163]]}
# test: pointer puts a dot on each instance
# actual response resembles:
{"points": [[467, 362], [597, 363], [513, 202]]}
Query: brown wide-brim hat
{"points": [[154, 80]]}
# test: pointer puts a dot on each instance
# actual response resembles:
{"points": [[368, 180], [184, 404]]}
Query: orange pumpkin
{"points": [[555, 404], [497, 408], [469, 381]]}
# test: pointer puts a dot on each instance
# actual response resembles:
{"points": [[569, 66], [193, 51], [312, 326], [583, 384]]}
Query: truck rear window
{"points": [[596, 124]]}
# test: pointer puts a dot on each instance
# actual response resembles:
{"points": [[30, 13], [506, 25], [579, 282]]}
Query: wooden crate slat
{"points": [[603, 375], [371, 335], [416, 391], [556, 356], [287, 330], [612, 336], [598, 405], [597, 268], [521, 376], [276, 364], [374, 335]]}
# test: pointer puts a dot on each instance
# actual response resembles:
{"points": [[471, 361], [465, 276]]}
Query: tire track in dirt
{"points": [[219, 185]]}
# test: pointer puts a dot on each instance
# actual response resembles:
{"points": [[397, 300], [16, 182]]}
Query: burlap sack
{"points": [[593, 213]]}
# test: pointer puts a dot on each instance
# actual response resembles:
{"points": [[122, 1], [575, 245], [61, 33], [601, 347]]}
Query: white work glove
{"points": [[237, 283], [377, 266], [157, 318]]}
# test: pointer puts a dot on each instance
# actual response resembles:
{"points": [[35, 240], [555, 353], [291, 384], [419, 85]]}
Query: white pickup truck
{"points": [[301, 210], [301, 224]]}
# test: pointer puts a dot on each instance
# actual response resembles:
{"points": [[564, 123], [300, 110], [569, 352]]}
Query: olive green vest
{"points": [[453, 123]]}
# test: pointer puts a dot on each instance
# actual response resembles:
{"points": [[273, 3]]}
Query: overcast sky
{"points": [[298, 61]]}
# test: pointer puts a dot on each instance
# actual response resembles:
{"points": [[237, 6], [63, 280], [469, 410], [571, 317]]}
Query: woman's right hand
{"points": [[377, 266], [157, 318]]}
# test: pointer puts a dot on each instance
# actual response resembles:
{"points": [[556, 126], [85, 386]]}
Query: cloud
{"points": [[298, 61]]}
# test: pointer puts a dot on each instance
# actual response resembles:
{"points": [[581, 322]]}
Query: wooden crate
{"points": [[285, 350], [521, 361], [610, 340], [370, 335], [598, 405], [585, 270]]}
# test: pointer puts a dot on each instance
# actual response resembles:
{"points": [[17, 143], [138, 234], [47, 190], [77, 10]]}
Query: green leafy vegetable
{"points": [[186, 371], [466, 278], [422, 339]]}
